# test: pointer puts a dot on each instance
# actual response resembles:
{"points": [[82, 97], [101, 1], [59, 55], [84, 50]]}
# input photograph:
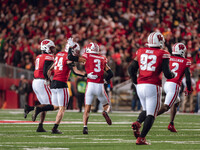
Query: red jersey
{"points": [[39, 64], [61, 69], [150, 65], [178, 66], [95, 63], [198, 86]]}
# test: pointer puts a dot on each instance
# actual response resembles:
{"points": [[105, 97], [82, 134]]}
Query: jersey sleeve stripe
{"points": [[166, 56]]}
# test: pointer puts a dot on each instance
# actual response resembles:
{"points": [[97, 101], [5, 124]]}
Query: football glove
{"points": [[187, 92], [91, 76], [70, 42]]}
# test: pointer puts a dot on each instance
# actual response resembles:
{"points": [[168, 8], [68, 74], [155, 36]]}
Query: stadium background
{"points": [[119, 27]]}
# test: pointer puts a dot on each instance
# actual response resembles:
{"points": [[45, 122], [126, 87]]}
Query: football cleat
{"points": [[56, 131], [40, 129], [35, 113], [26, 111], [172, 128], [85, 130], [136, 129], [108, 120], [142, 141]]}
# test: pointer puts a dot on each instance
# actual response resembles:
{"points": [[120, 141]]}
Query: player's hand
{"points": [[173, 74], [187, 92], [105, 82], [47, 82], [91, 76], [70, 42]]}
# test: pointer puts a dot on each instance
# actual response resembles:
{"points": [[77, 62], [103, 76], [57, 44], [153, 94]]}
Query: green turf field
{"points": [[118, 136]]}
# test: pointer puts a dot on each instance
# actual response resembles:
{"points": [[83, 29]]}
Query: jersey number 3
{"points": [[145, 65], [97, 63]]}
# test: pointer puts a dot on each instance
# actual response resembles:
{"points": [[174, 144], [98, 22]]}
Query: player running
{"points": [[39, 85], [150, 62], [180, 66], [97, 64]]}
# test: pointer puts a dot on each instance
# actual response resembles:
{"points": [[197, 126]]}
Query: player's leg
{"points": [[35, 86], [173, 110], [88, 102], [63, 99], [45, 98], [153, 100], [85, 118], [103, 98], [172, 90], [137, 124], [40, 126], [172, 116]]}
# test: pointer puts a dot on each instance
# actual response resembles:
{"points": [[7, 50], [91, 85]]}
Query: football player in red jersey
{"points": [[39, 85], [60, 95], [96, 64], [151, 62], [180, 66]]}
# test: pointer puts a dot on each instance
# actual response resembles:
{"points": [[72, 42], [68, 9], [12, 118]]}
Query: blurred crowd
{"points": [[120, 27]]}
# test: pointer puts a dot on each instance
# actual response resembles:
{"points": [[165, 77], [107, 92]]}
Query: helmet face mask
{"points": [[156, 39], [179, 49], [46, 46], [92, 48]]}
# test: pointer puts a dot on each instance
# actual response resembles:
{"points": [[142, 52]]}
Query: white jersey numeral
{"points": [[58, 63], [37, 61], [144, 62], [97, 65], [176, 66]]}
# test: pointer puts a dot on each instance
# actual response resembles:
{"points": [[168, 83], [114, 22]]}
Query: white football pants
{"points": [[60, 96], [172, 90], [98, 90], [150, 98], [42, 91]]}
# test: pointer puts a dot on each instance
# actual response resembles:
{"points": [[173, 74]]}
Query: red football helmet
{"points": [[179, 49], [156, 39], [92, 48], [46, 44]]}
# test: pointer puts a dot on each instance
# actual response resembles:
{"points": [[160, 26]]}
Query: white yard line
{"points": [[107, 141]]}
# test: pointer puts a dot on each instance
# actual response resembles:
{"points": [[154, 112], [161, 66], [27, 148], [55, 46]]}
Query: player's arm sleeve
{"points": [[71, 56], [165, 67], [109, 74], [188, 79], [47, 65], [132, 70], [75, 70]]}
